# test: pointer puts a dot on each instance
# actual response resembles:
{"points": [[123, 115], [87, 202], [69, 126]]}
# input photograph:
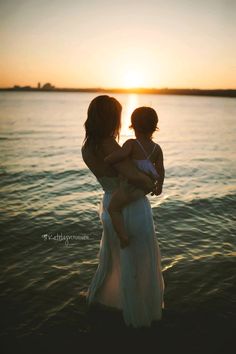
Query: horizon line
{"points": [[231, 93], [112, 88]]}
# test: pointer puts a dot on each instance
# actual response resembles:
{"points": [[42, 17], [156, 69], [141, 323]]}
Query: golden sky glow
{"points": [[152, 43]]}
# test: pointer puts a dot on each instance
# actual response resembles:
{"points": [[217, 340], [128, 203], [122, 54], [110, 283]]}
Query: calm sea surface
{"points": [[45, 189]]}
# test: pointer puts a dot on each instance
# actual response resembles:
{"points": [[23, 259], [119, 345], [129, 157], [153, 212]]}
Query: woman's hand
{"points": [[157, 190]]}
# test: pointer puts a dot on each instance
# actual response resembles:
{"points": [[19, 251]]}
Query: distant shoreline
{"points": [[164, 91]]}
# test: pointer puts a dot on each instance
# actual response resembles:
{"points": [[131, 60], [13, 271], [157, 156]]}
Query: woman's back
{"points": [[95, 162]]}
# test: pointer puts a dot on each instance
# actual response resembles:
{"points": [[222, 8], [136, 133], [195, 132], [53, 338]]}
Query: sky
{"points": [[124, 43]]}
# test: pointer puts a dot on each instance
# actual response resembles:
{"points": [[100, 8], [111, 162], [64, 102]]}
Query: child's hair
{"points": [[144, 120]]}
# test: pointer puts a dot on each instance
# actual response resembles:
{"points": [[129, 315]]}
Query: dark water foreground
{"points": [[198, 332], [202, 326]]}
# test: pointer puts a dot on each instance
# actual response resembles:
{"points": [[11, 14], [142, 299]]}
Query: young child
{"points": [[147, 156]]}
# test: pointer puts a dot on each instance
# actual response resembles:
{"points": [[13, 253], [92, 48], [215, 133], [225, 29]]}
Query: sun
{"points": [[133, 79]]}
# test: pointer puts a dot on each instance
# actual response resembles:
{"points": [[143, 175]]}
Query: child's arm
{"points": [[120, 154], [159, 165]]}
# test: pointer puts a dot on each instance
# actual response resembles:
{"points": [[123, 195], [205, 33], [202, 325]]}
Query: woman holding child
{"points": [[129, 274]]}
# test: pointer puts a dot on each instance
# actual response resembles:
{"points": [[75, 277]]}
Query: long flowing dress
{"points": [[129, 279]]}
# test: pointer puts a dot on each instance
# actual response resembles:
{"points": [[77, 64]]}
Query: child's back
{"points": [[143, 158]]}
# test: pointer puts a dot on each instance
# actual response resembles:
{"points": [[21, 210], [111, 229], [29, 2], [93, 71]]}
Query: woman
{"points": [[128, 279]]}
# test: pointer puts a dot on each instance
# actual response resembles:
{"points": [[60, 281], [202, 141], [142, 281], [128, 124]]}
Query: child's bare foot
{"points": [[124, 241]]}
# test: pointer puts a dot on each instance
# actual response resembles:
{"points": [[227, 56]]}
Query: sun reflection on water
{"points": [[174, 261], [132, 103]]}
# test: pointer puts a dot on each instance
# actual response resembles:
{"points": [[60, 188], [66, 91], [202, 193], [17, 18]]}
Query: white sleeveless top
{"points": [[146, 165]]}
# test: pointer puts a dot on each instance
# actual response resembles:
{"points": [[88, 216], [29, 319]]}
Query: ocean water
{"points": [[49, 200]]}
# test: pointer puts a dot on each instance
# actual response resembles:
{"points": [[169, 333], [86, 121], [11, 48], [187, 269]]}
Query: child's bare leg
{"points": [[118, 201]]}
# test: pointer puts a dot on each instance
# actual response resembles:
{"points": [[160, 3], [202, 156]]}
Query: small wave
{"points": [[27, 176], [201, 205]]}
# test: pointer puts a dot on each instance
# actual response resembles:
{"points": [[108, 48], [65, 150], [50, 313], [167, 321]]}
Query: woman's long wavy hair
{"points": [[103, 120]]}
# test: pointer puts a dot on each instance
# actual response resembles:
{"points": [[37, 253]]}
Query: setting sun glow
{"points": [[134, 79]]}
